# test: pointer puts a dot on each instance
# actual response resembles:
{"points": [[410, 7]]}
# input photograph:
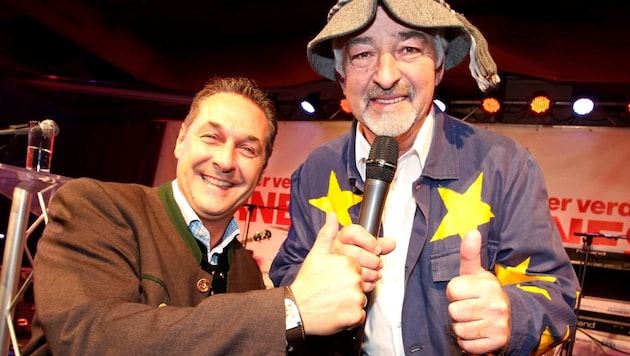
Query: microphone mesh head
{"points": [[49, 127], [382, 160]]}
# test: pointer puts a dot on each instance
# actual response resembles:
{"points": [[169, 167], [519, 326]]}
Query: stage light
{"points": [[345, 106], [491, 105], [310, 104], [540, 103], [440, 104], [583, 106]]}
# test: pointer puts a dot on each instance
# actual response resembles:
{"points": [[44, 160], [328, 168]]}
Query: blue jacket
{"points": [[520, 242]]}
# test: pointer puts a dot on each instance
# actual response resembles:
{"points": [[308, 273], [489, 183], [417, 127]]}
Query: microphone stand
{"points": [[21, 129], [587, 242], [250, 209]]}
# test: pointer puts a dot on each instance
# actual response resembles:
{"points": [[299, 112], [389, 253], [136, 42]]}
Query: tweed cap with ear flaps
{"points": [[350, 16]]}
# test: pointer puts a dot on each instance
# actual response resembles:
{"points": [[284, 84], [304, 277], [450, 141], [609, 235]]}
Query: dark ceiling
{"points": [[128, 59]]}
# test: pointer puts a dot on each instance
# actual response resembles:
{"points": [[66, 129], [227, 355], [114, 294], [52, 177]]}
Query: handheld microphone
{"points": [[380, 170]]}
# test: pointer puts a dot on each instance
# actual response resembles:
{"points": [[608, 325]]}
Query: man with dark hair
{"points": [[125, 269]]}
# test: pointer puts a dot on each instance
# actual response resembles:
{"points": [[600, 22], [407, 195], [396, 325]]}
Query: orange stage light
{"points": [[540, 104], [491, 105]]}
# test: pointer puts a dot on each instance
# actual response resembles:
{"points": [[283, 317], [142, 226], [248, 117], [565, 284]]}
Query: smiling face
{"points": [[389, 77], [221, 156]]}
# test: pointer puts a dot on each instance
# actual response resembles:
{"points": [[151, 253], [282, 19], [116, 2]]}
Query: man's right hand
{"points": [[328, 288], [356, 242]]}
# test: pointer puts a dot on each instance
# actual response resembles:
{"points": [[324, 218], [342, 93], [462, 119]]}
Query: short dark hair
{"points": [[247, 88]]}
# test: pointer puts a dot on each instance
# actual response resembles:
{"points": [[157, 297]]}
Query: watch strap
{"points": [[295, 335]]}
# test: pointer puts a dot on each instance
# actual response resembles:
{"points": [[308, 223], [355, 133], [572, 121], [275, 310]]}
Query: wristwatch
{"points": [[294, 327]]}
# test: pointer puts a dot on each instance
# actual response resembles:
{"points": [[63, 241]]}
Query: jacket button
{"points": [[203, 285]]}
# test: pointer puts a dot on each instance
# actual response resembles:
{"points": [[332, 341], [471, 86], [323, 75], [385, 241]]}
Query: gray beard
{"points": [[389, 124]]}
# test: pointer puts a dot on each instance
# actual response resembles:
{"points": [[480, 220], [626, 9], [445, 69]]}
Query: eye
{"points": [[410, 53], [361, 55], [413, 45], [362, 58], [209, 137], [411, 50], [250, 151]]}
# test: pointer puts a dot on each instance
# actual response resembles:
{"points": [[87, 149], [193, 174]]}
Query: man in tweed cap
{"points": [[479, 265]]}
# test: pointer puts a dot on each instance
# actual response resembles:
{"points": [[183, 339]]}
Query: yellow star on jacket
{"points": [[465, 211], [516, 275], [547, 340], [337, 200]]}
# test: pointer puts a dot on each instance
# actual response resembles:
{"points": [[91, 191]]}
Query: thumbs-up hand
{"points": [[328, 287], [479, 308]]}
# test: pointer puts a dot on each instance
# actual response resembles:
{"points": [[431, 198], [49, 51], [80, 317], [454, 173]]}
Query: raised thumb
{"points": [[326, 235], [470, 253]]}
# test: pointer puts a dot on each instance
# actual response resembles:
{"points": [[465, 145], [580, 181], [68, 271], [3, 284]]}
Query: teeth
{"points": [[390, 101], [217, 182]]}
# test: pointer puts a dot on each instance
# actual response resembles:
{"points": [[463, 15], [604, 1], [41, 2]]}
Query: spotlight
{"points": [[583, 106], [440, 104], [491, 105], [540, 103], [345, 106], [310, 104]]}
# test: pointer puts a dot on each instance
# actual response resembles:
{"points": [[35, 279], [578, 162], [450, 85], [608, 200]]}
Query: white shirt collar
{"points": [[187, 211]]}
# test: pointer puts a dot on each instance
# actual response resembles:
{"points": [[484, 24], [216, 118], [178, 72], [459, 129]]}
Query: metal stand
{"points": [[250, 209], [24, 183], [259, 235]]}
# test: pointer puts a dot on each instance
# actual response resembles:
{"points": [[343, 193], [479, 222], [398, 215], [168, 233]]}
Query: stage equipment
{"points": [[440, 104], [311, 104], [587, 242], [344, 106], [583, 106], [20, 129], [540, 103], [258, 236], [20, 184], [491, 105]]}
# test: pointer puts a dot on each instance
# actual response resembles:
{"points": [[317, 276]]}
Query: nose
{"points": [[224, 157], [387, 71]]}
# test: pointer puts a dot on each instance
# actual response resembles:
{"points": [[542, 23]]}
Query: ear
{"points": [[342, 82], [439, 74], [180, 140], [260, 177]]}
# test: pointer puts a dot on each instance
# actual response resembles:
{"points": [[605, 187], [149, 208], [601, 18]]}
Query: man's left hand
{"points": [[479, 307]]}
